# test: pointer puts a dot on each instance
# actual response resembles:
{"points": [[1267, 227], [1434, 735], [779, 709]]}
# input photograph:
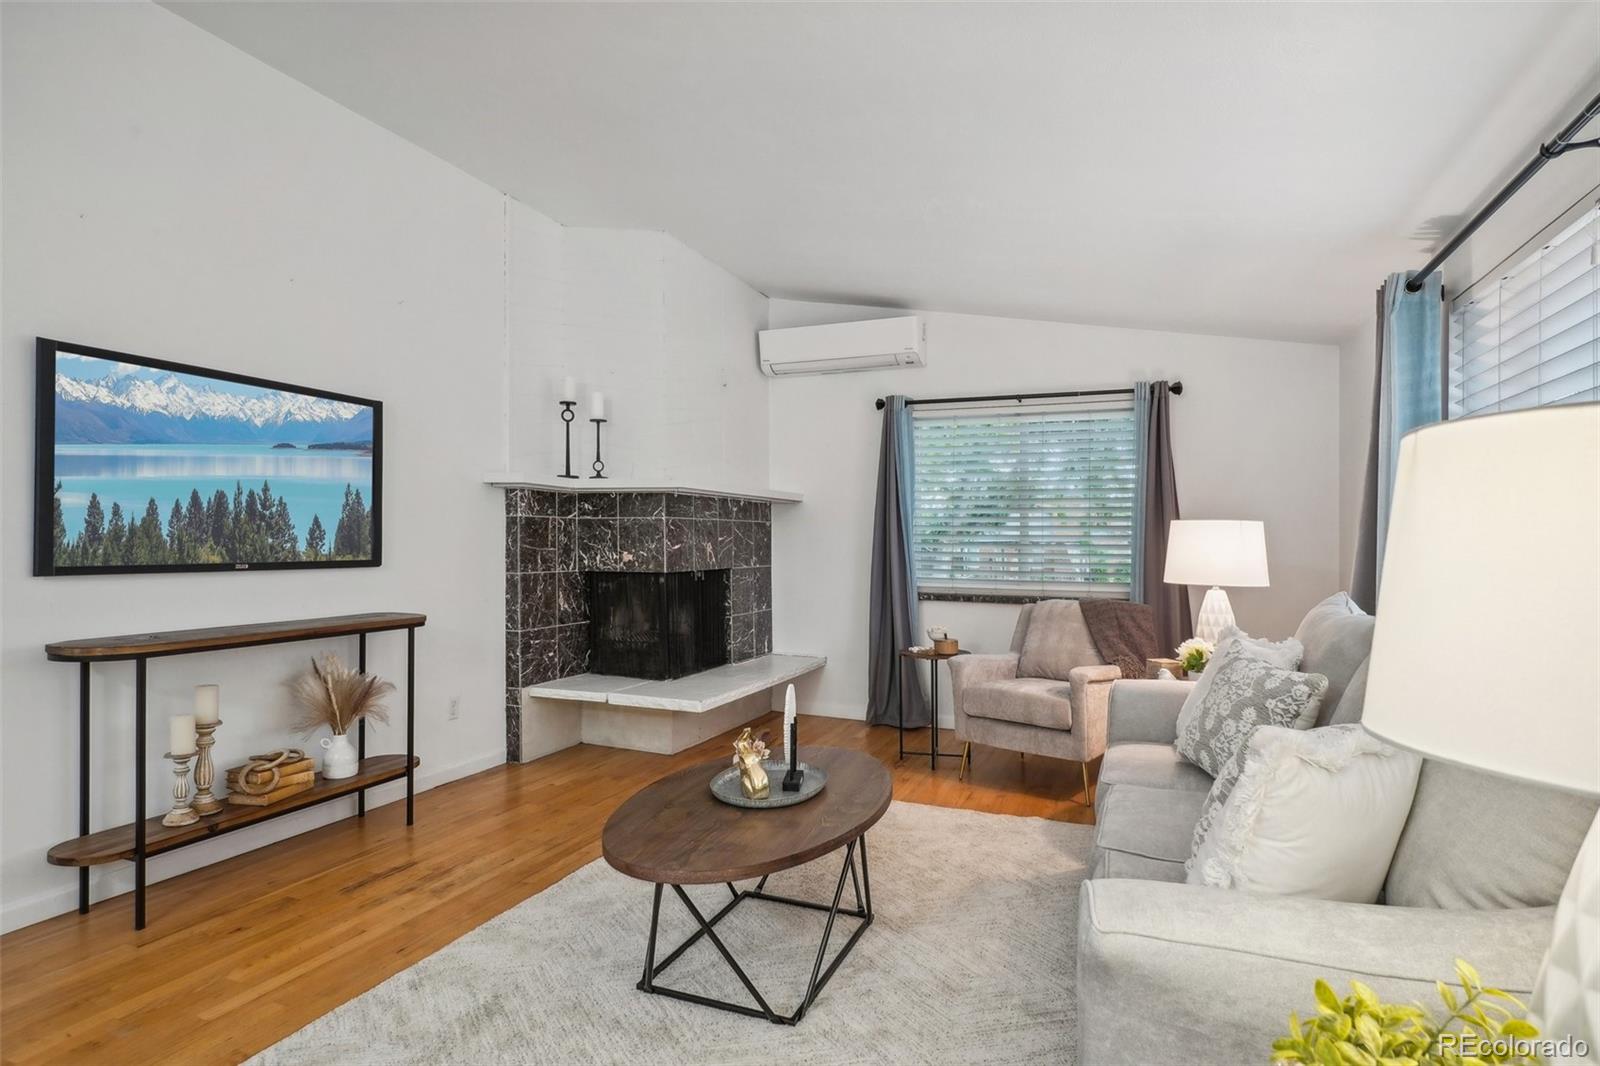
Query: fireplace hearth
{"points": [[657, 626]]}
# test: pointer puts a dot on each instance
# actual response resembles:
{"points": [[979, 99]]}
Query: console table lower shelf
{"points": [[117, 844]]}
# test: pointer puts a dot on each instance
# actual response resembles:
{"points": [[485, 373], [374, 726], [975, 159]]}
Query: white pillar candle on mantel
{"points": [[569, 389], [207, 704], [597, 405], [182, 737]]}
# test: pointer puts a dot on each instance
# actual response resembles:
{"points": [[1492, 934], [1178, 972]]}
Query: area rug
{"points": [[970, 958]]}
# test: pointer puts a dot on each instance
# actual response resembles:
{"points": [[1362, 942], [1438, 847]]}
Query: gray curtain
{"points": [[892, 681], [1155, 508], [1407, 392]]}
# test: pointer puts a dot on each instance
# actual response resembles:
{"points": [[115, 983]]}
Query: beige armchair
{"points": [[1046, 696]]}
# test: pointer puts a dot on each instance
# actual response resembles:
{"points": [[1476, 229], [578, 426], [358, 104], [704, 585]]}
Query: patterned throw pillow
{"points": [[1234, 642], [1245, 694]]}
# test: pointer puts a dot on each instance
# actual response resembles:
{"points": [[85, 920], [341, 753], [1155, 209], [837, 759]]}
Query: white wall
{"points": [[1357, 364], [169, 196], [1256, 435], [667, 335]]}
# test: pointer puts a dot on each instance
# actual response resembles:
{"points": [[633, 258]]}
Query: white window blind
{"points": [[1529, 336], [1026, 501]]}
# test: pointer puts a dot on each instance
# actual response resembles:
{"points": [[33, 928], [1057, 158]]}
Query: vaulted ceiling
{"points": [[1241, 169]]}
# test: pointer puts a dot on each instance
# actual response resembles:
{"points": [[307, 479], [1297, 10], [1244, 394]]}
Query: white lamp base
{"points": [[1566, 999], [1216, 614]]}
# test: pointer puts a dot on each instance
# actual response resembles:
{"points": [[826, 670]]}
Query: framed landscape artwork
{"points": [[144, 465]]}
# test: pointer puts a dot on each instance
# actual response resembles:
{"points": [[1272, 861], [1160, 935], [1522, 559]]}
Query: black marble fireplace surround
{"points": [[554, 538]]}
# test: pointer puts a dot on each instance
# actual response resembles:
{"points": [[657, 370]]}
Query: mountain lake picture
{"points": [[157, 467]]}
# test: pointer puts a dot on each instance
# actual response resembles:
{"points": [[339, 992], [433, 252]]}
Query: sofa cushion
{"points": [[1355, 697], [1033, 701], [1475, 841], [1151, 765], [1057, 640], [1335, 637], [1155, 824]]}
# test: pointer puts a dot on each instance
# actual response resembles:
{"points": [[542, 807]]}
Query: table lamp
{"points": [[1216, 553], [1484, 652]]}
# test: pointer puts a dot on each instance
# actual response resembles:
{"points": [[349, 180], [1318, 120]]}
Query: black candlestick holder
{"points": [[568, 416], [599, 464]]}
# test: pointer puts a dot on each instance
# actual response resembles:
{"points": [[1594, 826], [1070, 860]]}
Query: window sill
{"points": [[994, 596]]}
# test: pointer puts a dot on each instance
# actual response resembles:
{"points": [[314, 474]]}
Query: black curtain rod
{"points": [[1560, 144], [1176, 388]]}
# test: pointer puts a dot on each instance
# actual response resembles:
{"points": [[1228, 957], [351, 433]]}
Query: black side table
{"points": [[934, 659]]}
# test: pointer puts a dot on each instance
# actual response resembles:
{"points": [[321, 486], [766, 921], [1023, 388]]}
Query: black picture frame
{"points": [[44, 563]]}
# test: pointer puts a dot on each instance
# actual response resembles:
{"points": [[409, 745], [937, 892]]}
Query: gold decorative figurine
{"points": [[748, 754]]}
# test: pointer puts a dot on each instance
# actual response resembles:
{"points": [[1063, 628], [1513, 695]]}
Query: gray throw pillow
{"points": [[1245, 694]]}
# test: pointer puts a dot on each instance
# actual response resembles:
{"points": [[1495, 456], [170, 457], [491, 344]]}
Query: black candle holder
{"points": [[599, 464], [567, 416]]}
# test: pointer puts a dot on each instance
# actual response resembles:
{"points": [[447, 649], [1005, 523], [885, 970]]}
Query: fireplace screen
{"points": [[657, 626]]}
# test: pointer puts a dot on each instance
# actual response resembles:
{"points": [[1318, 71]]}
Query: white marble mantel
{"points": [[657, 716]]}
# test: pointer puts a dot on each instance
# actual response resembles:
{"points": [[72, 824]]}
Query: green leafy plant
{"points": [[1361, 1030]]}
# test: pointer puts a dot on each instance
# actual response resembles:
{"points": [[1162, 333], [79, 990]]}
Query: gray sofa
{"points": [[1062, 716], [1171, 972]]}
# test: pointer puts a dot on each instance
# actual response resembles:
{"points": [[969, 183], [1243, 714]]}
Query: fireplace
{"points": [[657, 626]]}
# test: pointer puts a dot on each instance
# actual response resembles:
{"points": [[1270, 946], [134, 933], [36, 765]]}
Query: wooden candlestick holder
{"points": [[181, 813], [205, 774]]}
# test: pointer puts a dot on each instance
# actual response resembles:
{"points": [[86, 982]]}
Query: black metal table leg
{"points": [[706, 929], [361, 724], [83, 779], [411, 720], [933, 712], [138, 787], [901, 729]]}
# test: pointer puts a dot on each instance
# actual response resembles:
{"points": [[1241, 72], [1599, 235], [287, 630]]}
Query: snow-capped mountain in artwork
{"points": [[158, 407]]}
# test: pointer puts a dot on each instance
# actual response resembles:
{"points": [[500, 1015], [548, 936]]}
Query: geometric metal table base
{"points": [[819, 976]]}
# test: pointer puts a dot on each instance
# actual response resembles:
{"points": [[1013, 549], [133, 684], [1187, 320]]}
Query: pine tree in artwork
{"points": [[177, 536], [58, 530], [347, 534], [116, 552], [194, 520], [316, 539], [285, 543], [149, 545], [363, 520], [218, 522], [91, 542]]}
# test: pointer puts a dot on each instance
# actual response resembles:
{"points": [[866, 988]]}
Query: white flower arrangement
{"points": [[1194, 653]]}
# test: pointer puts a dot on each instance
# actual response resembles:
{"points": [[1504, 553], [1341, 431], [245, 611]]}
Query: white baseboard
{"points": [[114, 879], [855, 712]]}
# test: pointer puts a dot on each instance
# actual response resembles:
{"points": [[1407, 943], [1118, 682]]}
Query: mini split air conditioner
{"points": [[876, 344]]}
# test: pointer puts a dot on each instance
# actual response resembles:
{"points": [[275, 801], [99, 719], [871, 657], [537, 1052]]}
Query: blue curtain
{"points": [[1408, 392]]}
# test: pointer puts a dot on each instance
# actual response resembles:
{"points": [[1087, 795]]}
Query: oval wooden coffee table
{"points": [[676, 833]]}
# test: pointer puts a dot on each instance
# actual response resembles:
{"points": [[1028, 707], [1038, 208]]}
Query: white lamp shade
{"points": [[1216, 552], [1486, 650]]}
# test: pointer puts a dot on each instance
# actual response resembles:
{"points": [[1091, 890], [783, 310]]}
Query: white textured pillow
{"points": [[1314, 813], [1284, 654]]}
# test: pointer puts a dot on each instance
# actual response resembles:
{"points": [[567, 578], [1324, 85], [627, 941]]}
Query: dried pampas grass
{"points": [[335, 696]]}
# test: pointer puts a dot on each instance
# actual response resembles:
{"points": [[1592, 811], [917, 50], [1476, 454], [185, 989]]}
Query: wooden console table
{"points": [[145, 837]]}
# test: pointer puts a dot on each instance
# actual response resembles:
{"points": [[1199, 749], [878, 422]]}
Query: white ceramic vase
{"points": [[340, 759]]}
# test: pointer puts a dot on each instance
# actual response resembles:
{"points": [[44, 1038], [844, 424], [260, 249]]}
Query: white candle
{"points": [[597, 406], [181, 741], [788, 725], [207, 704], [569, 389]]}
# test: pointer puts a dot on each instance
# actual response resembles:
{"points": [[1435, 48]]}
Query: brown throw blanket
{"points": [[1124, 633]]}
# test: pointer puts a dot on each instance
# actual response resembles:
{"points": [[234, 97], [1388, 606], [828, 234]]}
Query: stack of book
{"points": [[293, 778]]}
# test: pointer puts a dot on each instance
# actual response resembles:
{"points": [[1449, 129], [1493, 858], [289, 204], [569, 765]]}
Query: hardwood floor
{"points": [[240, 954]]}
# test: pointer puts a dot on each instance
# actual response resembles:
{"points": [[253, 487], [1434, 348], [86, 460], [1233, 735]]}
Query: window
{"points": [[1529, 335], [1028, 501]]}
